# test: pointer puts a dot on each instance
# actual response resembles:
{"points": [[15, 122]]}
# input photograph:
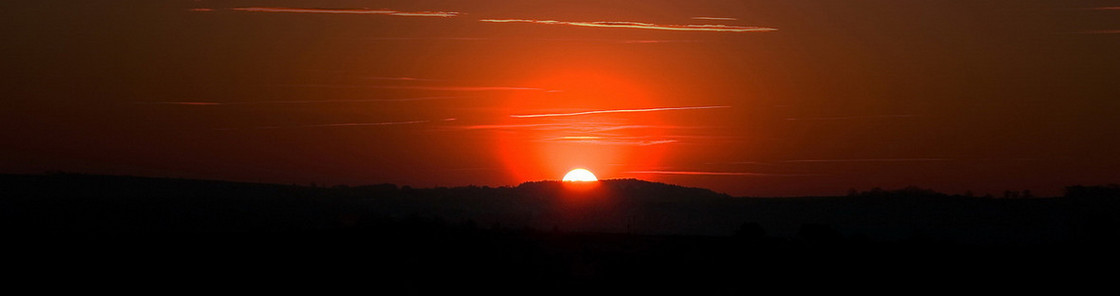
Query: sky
{"points": [[749, 98]]}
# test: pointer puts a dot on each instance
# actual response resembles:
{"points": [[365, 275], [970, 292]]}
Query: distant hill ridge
{"points": [[78, 203]]}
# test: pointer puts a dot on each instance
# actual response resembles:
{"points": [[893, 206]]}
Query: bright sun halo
{"points": [[580, 175]]}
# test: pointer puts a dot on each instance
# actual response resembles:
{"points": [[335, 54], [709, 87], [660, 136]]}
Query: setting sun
{"points": [[580, 175], [425, 138]]}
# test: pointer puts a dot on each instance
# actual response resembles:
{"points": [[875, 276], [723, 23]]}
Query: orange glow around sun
{"points": [[575, 131]]}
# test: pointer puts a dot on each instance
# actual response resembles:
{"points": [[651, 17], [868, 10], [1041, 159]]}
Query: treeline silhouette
{"points": [[619, 234]]}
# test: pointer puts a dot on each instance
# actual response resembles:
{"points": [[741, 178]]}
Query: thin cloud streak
{"points": [[868, 160], [703, 173], [423, 38], [446, 88], [617, 111], [628, 41], [398, 78], [296, 101], [578, 138], [851, 117], [334, 125], [608, 128], [637, 25], [623, 127], [507, 126], [655, 41], [712, 18], [426, 13], [1099, 32], [648, 143], [593, 130], [182, 103], [608, 141], [852, 160], [349, 11]]}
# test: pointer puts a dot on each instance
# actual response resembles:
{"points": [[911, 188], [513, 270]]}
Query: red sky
{"points": [[760, 98]]}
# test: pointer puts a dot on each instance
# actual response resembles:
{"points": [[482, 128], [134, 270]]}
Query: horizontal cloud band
{"points": [[712, 18], [617, 111], [334, 125], [636, 25], [349, 11], [701, 173]]}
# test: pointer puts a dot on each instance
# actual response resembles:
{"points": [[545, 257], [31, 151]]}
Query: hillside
{"points": [[617, 235], [106, 204]]}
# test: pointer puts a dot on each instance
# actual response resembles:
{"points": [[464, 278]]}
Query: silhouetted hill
{"points": [[632, 190], [75, 203], [615, 235]]}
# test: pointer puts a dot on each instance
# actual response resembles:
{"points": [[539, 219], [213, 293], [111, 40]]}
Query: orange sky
{"points": [[761, 98]]}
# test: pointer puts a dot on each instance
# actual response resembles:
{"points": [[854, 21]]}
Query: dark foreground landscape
{"points": [[548, 237]]}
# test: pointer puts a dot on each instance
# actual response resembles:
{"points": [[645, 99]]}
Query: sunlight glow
{"points": [[580, 175]]}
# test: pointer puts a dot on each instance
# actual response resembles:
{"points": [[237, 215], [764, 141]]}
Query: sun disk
{"points": [[580, 175]]}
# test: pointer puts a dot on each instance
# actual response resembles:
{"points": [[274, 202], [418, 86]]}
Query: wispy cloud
{"points": [[841, 160], [1099, 32], [747, 163], [183, 103], [607, 128], [472, 169], [508, 126], [441, 88], [333, 125], [584, 130], [867, 160], [637, 25], [705, 173], [204, 103], [610, 140], [655, 41], [201, 9], [426, 13], [424, 38], [647, 143], [712, 18], [398, 78], [617, 111], [623, 41], [578, 138], [852, 117], [624, 127], [464, 88], [349, 11]]}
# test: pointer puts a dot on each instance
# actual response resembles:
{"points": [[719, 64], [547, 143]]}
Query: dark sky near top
{"points": [[764, 98]]}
